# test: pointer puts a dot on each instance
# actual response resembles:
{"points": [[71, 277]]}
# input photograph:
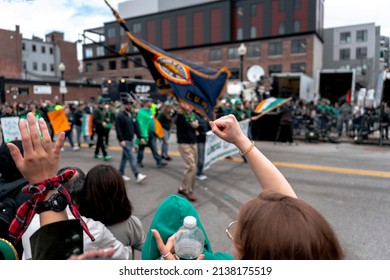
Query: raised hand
{"points": [[40, 160], [228, 129]]}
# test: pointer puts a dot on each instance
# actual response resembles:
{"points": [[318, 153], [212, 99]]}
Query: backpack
{"points": [[11, 198], [8, 209]]}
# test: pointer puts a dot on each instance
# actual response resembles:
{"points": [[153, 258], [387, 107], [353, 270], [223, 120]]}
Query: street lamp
{"points": [[241, 52], [62, 68]]}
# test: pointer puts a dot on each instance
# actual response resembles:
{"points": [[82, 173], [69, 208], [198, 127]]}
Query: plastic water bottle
{"points": [[189, 240]]}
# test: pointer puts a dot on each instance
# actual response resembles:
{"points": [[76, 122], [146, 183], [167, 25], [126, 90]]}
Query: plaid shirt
{"points": [[27, 210]]}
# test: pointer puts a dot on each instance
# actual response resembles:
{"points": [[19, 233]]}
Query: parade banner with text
{"points": [[216, 148]]}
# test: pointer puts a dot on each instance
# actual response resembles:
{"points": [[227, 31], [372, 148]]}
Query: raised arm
{"points": [[269, 177]]}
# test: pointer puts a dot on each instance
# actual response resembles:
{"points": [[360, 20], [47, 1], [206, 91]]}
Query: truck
{"points": [[297, 85], [113, 89], [336, 85], [383, 87]]}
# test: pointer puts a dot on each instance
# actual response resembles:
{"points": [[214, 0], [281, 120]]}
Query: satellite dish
{"points": [[255, 73]]}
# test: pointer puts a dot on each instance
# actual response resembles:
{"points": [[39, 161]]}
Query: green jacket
{"points": [[167, 220], [145, 123]]}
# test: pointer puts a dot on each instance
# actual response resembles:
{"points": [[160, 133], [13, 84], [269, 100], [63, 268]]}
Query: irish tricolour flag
{"points": [[269, 104], [86, 127]]}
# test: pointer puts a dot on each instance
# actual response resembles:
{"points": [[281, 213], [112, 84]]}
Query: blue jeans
{"points": [[165, 140], [127, 155], [200, 162], [69, 136], [78, 134], [153, 147]]}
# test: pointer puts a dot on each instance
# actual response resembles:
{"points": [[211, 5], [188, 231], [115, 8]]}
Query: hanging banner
{"points": [[10, 129], [216, 148]]}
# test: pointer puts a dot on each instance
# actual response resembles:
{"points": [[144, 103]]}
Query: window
{"points": [[51, 50], [44, 67], [111, 32], [297, 4], [112, 65], [276, 68], [34, 48], [297, 26], [253, 10], [122, 32], [51, 67], [88, 67], [253, 32], [215, 55], [232, 53], [253, 50], [234, 73], [137, 27], [345, 54], [124, 63], [23, 91], [298, 67], [361, 36], [100, 51], [240, 12], [100, 66], [298, 46], [281, 28], [361, 53], [137, 62], [43, 49], [35, 66], [88, 52], [24, 65], [23, 46], [240, 33], [345, 37], [275, 48], [281, 6]]}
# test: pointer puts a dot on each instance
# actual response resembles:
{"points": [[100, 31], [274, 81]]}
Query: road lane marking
{"points": [[362, 172], [330, 169]]}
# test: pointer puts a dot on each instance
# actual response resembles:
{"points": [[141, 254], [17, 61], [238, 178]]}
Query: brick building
{"points": [[29, 68], [280, 35]]}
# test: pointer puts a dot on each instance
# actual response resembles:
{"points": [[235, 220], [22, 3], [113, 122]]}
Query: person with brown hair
{"points": [[276, 224], [59, 235], [104, 198]]}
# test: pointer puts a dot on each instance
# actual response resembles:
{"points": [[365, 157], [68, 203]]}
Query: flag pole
{"points": [[254, 118]]}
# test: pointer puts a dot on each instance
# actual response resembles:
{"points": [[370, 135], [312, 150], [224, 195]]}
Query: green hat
{"points": [[237, 102], [102, 100]]}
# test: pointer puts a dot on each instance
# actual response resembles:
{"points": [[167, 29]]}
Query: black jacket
{"points": [[185, 133], [126, 127], [57, 241]]}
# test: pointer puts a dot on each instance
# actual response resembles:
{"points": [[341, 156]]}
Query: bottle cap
{"points": [[189, 222]]}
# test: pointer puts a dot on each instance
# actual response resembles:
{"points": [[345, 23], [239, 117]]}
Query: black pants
{"points": [[285, 133], [106, 135], [100, 142]]}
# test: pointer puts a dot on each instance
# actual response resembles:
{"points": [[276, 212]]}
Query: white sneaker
{"points": [[125, 178], [75, 148], [140, 177], [202, 177]]}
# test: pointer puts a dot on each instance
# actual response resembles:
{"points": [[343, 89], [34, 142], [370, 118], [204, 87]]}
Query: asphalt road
{"points": [[348, 183]]}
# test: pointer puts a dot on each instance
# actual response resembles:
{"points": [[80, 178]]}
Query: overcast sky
{"points": [[39, 17]]}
